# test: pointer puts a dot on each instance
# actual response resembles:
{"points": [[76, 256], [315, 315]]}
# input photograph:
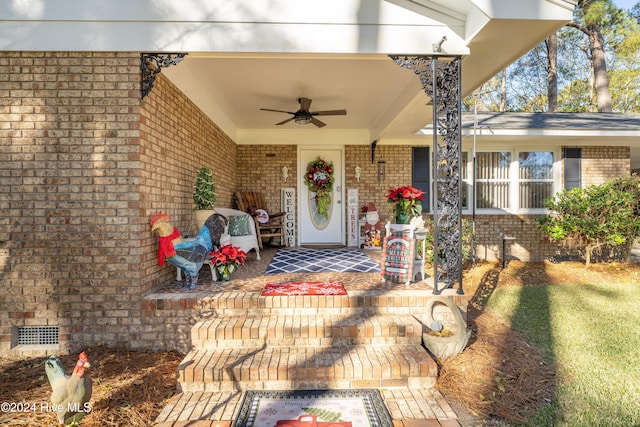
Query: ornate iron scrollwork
{"points": [[440, 78], [151, 64]]}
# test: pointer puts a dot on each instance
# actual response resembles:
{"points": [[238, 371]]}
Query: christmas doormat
{"points": [[303, 288], [321, 261], [313, 408]]}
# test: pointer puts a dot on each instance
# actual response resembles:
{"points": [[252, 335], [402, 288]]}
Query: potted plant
{"points": [[204, 196], [406, 203], [226, 259]]}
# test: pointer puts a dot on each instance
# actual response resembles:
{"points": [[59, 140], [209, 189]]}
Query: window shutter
{"points": [[420, 177], [572, 168]]}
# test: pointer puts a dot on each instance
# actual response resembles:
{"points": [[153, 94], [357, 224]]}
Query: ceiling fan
{"points": [[303, 116]]}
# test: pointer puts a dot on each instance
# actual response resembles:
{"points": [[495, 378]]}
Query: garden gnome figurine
{"points": [[372, 227]]}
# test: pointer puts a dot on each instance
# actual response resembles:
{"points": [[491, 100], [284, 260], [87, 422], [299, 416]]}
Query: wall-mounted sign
{"points": [[289, 208], [352, 217]]}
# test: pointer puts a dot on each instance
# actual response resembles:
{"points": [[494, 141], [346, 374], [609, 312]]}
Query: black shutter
{"points": [[572, 168], [420, 177]]}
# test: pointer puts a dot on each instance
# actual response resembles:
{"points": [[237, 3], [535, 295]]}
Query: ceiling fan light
{"points": [[302, 119]]}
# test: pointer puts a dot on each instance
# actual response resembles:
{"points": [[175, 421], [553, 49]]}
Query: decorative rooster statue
{"points": [[70, 393], [187, 254]]}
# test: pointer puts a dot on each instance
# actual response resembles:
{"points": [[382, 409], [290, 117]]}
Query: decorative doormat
{"points": [[313, 408], [321, 261], [303, 288]]}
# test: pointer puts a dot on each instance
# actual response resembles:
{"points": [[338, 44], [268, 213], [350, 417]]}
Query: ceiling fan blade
{"points": [[285, 121], [305, 103], [329, 113], [277, 111], [317, 122]]}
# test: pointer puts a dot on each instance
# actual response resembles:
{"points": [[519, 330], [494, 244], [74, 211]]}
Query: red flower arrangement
{"points": [[227, 259], [406, 201]]}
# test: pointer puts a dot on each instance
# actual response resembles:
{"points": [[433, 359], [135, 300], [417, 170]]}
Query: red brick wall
{"points": [[371, 188], [259, 168], [84, 162], [70, 224], [602, 163]]}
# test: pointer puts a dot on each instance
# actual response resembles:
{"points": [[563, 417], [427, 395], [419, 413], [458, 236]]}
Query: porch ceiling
{"points": [[383, 101]]}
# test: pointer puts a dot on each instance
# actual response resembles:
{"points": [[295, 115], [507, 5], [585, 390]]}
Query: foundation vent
{"points": [[37, 335]]}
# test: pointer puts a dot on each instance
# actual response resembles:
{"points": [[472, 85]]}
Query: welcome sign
{"points": [[289, 208]]}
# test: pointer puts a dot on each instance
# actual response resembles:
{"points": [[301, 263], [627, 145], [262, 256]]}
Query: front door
{"points": [[321, 218]]}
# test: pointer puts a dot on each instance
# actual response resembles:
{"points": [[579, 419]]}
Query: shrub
{"points": [[586, 219]]}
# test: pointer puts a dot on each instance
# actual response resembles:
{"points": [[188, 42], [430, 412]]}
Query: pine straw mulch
{"points": [[499, 376], [130, 388]]}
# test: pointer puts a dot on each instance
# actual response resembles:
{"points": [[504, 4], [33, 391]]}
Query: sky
{"points": [[625, 4]]}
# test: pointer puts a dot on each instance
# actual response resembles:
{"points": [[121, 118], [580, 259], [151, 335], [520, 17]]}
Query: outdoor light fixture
{"points": [[285, 172], [357, 171], [382, 170]]}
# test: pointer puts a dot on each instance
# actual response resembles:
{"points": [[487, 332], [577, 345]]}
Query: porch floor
{"points": [[412, 402]]}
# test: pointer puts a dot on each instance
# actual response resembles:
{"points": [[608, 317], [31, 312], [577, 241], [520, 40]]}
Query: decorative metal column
{"points": [[441, 79], [151, 64]]}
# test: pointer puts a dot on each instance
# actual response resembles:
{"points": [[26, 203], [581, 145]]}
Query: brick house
{"points": [[85, 160]]}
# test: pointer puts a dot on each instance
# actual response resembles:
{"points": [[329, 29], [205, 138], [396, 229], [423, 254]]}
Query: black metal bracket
{"points": [[374, 144], [151, 64]]}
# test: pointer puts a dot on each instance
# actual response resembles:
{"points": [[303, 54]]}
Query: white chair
{"points": [[247, 242]]}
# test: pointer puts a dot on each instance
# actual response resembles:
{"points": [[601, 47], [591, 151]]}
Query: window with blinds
{"points": [[492, 180], [513, 181], [535, 178]]}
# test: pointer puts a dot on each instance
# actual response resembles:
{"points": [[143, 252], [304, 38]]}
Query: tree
{"points": [[592, 64], [587, 219], [552, 72]]}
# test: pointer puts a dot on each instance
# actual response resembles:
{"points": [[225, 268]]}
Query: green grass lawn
{"points": [[592, 335]]}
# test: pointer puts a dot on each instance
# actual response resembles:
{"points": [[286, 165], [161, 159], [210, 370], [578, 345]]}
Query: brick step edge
{"points": [[272, 368], [424, 405], [306, 330]]}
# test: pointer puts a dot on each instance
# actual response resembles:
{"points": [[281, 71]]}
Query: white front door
{"points": [[316, 227]]}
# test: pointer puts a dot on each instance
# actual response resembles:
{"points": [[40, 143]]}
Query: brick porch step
{"points": [[286, 368], [306, 330]]}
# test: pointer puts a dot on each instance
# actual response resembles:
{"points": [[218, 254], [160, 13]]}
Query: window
{"points": [[465, 175], [511, 181], [572, 168], [421, 174], [535, 177], [492, 180]]}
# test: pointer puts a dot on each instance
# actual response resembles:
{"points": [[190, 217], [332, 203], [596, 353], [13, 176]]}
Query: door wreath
{"points": [[319, 180]]}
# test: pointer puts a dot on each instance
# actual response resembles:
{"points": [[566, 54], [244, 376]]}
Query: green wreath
{"points": [[319, 180]]}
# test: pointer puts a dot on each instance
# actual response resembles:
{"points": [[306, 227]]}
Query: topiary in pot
{"points": [[204, 195]]}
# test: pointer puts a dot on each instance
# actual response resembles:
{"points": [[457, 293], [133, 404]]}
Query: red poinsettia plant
{"points": [[228, 256], [406, 203]]}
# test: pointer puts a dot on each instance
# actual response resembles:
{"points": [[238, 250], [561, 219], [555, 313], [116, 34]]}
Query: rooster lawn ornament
{"points": [[186, 254], [70, 393]]}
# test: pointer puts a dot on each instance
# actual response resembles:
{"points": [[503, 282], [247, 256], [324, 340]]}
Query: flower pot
{"points": [[445, 346], [202, 215], [224, 273], [403, 218]]}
